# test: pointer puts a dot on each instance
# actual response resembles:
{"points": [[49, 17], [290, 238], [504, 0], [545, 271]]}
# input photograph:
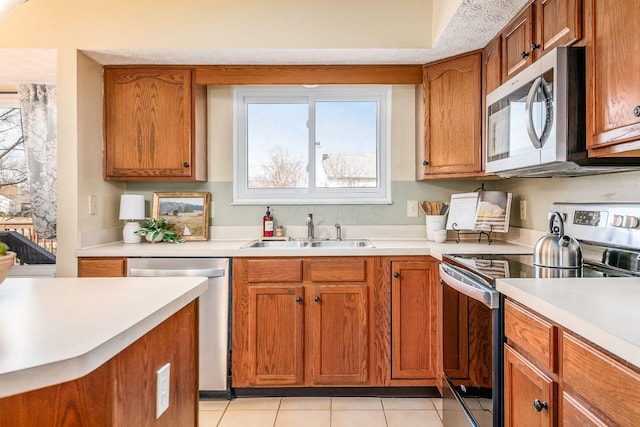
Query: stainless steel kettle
{"points": [[556, 249]]}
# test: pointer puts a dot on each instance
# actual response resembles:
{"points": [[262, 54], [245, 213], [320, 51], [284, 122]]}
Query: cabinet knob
{"points": [[539, 406], [535, 46], [636, 111], [425, 163], [317, 299], [185, 165], [299, 300], [396, 275], [524, 54]]}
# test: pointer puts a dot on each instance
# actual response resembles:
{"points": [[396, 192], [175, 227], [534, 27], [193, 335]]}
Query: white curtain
{"points": [[39, 128]]}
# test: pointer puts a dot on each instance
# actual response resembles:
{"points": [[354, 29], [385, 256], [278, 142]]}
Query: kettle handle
{"points": [[551, 220]]}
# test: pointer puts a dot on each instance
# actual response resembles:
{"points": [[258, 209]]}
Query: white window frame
{"points": [[380, 194]]}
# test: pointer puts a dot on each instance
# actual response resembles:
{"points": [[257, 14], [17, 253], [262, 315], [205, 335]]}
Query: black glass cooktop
{"points": [[497, 266]]}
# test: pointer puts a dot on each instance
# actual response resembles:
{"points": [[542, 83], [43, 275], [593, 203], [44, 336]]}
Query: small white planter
{"points": [[157, 239]]}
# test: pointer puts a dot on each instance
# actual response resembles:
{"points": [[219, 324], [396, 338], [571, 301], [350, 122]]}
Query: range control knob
{"points": [[630, 221], [616, 220]]}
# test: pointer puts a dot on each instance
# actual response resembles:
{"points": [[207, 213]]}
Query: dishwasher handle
{"points": [[188, 272]]}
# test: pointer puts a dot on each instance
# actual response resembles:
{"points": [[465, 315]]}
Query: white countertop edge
{"points": [[618, 346], [71, 369], [231, 248]]}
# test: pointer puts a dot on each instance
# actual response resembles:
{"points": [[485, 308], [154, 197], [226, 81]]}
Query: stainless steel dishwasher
{"points": [[214, 313]]}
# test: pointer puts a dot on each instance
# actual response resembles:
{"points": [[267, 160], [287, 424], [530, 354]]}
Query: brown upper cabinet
{"points": [[613, 95], [538, 28], [452, 131], [154, 125]]}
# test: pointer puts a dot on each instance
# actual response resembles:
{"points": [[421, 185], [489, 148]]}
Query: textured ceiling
{"points": [[473, 25]]}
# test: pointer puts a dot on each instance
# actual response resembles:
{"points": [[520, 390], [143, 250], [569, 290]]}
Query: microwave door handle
{"points": [[533, 136]]}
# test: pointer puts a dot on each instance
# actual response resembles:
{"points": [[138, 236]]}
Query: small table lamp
{"points": [[131, 209]]}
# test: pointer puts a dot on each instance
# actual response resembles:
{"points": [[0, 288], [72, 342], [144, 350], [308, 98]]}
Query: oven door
{"points": [[471, 350]]}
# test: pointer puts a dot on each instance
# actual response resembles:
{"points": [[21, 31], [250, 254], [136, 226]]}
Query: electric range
{"points": [[472, 382]]}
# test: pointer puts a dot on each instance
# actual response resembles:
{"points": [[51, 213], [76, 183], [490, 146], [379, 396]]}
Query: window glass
{"points": [[317, 145]]}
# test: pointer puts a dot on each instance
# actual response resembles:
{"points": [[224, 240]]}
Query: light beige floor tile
{"points": [[306, 418], [213, 405], [209, 418], [254, 403], [398, 403], [253, 418], [356, 403], [306, 403], [437, 403], [473, 404], [365, 418], [411, 418], [486, 404]]}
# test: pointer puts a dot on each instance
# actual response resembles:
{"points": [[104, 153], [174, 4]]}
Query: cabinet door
{"points": [[275, 336], [148, 124], [558, 23], [612, 73], [102, 267], [517, 37], [338, 334], [452, 117], [529, 395], [492, 65], [414, 308]]}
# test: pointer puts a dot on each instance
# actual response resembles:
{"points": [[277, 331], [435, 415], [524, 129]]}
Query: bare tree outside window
{"points": [[13, 170], [283, 170]]}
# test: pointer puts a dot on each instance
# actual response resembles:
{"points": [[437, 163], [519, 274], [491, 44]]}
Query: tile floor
{"points": [[321, 412]]}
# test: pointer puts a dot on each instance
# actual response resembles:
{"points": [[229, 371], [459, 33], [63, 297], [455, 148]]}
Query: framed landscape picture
{"points": [[187, 213]]}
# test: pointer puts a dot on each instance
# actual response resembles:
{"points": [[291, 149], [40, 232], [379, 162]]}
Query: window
{"points": [[16, 216], [14, 188], [315, 145]]}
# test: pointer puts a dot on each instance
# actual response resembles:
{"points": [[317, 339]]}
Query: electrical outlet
{"points": [[91, 204], [412, 208], [162, 389], [523, 210]]}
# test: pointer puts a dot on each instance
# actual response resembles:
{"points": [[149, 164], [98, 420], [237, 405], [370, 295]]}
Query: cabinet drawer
{"points": [[338, 270], [270, 270], [532, 334], [102, 267], [609, 386]]}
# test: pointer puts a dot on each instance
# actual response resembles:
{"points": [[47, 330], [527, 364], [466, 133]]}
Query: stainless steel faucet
{"points": [[338, 232], [309, 222]]}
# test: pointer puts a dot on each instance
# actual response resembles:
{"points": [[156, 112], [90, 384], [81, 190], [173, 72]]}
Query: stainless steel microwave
{"points": [[536, 122]]}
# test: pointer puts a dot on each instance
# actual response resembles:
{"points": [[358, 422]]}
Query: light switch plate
{"points": [[412, 208], [162, 389]]}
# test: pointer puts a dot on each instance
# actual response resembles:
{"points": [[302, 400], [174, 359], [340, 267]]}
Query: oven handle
{"points": [[469, 284]]}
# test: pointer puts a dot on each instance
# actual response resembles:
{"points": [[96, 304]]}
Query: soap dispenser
{"points": [[267, 224]]}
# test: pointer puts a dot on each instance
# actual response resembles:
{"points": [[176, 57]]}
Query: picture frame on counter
{"points": [[187, 213]]}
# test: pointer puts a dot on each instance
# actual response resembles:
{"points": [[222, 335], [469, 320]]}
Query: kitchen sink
{"points": [[360, 243], [294, 244]]}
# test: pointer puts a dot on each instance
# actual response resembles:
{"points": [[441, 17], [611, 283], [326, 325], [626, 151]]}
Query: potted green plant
{"points": [[157, 230]]}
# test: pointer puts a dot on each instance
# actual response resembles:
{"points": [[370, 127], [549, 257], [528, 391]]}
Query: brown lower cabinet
{"points": [[332, 321], [414, 303], [301, 321], [554, 377]]}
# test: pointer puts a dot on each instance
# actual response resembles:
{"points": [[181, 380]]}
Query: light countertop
{"points": [[605, 311], [57, 330], [231, 248]]}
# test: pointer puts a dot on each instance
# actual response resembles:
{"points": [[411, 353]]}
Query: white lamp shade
{"points": [[132, 206]]}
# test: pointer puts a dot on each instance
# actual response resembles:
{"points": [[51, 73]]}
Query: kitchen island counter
{"points": [[58, 330], [605, 311]]}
